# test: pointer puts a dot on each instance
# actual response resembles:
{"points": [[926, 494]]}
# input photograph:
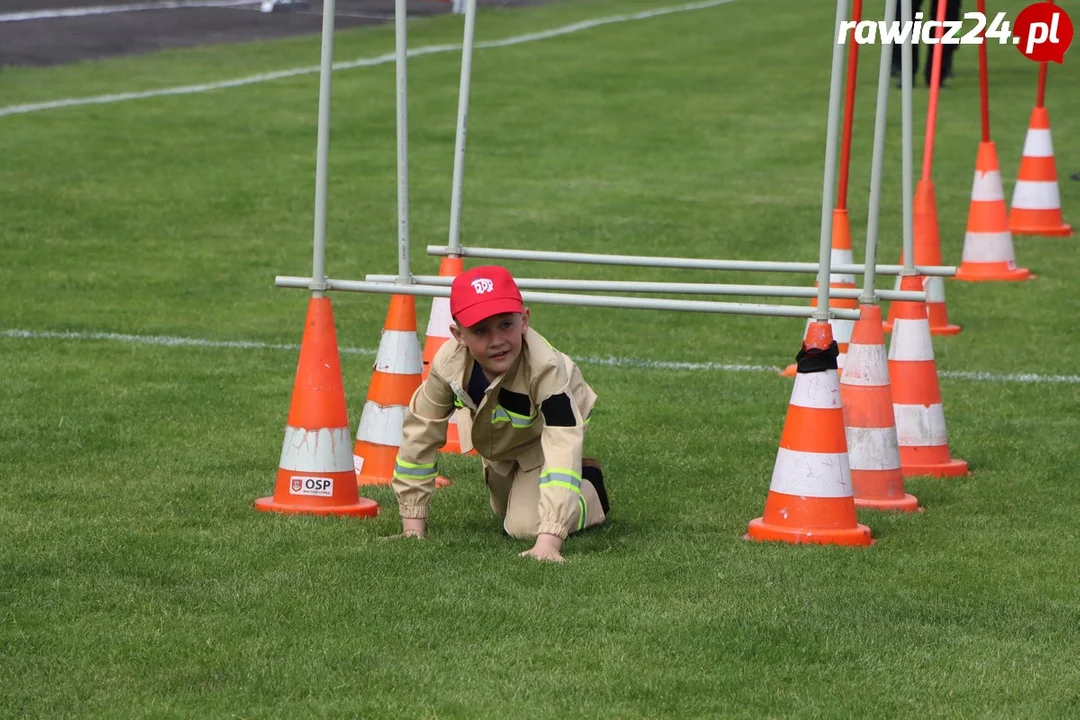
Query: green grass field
{"points": [[136, 579]]}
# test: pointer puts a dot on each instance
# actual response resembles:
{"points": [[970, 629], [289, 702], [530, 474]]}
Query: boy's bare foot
{"points": [[547, 547]]}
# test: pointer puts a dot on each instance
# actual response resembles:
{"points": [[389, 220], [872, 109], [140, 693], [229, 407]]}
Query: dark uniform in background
{"points": [[952, 12]]}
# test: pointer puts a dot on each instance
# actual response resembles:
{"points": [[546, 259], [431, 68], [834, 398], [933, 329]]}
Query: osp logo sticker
{"points": [[312, 486]]}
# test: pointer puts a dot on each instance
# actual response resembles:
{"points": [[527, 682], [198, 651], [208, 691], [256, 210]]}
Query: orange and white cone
{"points": [[438, 332], [315, 473], [869, 424], [840, 254], [395, 378], [810, 498], [927, 244], [988, 246], [920, 416], [1036, 202]]}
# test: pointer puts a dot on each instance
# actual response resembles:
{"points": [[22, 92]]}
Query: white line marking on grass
{"points": [[362, 62], [337, 13], [171, 341], [110, 9]]}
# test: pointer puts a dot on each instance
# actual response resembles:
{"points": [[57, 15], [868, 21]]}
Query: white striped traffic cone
{"points": [[920, 416], [869, 423], [395, 378], [315, 474], [810, 498], [1036, 202], [988, 245]]}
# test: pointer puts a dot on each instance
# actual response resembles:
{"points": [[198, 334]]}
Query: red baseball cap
{"points": [[477, 294]]}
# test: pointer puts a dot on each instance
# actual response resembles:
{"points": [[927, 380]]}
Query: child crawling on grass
{"points": [[528, 408]]}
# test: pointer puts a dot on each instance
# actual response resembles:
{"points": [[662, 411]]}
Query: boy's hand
{"points": [[547, 547], [410, 528]]}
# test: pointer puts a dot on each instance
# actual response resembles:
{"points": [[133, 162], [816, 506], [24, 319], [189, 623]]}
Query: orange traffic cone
{"points": [[395, 378], [839, 255], [438, 332], [1036, 203], [314, 474], [873, 448], [988, 246], [810, 498], [928, 252], [920, 417]]}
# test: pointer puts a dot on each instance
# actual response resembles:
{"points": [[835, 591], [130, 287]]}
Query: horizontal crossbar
{"points": [[680, 263], [671, 288], [609, 301]]}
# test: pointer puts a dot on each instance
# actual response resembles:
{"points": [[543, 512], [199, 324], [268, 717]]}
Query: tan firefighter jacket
{"points": [[535, 414]]}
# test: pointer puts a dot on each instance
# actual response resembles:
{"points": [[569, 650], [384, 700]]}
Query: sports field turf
{"points": [[136, 579]]}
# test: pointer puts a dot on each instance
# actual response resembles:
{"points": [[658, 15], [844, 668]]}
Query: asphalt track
{"points": [[55, 32]]}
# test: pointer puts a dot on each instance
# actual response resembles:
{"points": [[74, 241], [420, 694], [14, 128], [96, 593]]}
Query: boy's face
{"points": [[495, 343]]}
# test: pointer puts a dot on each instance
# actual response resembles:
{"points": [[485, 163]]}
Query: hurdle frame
{"points": [[406, 283]]}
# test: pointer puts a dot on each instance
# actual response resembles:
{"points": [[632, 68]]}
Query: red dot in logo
{"points": [[1043, 32]]}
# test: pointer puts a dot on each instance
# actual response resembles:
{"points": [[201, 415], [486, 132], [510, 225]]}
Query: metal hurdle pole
{"points": [[401, 45], [868, 296], [462, 127], [322, 152], [607, 301], [672, 288], [832, 134], [907, 144], [677, 262]]}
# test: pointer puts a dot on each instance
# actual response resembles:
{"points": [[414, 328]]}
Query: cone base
{"points": [[908, 503], [945, 330], [953, 468], [974, 275], [1063, 231], [760, 530], [938, 330], [364, 508]]}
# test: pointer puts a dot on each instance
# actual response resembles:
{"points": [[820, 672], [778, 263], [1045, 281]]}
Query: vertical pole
{"points": [[1040, 98], [462, 128], [821, 313], [908, 160], [984, 80], [400, 19], [935, 90], [322, 152], [880, 117], [849, 110]]}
